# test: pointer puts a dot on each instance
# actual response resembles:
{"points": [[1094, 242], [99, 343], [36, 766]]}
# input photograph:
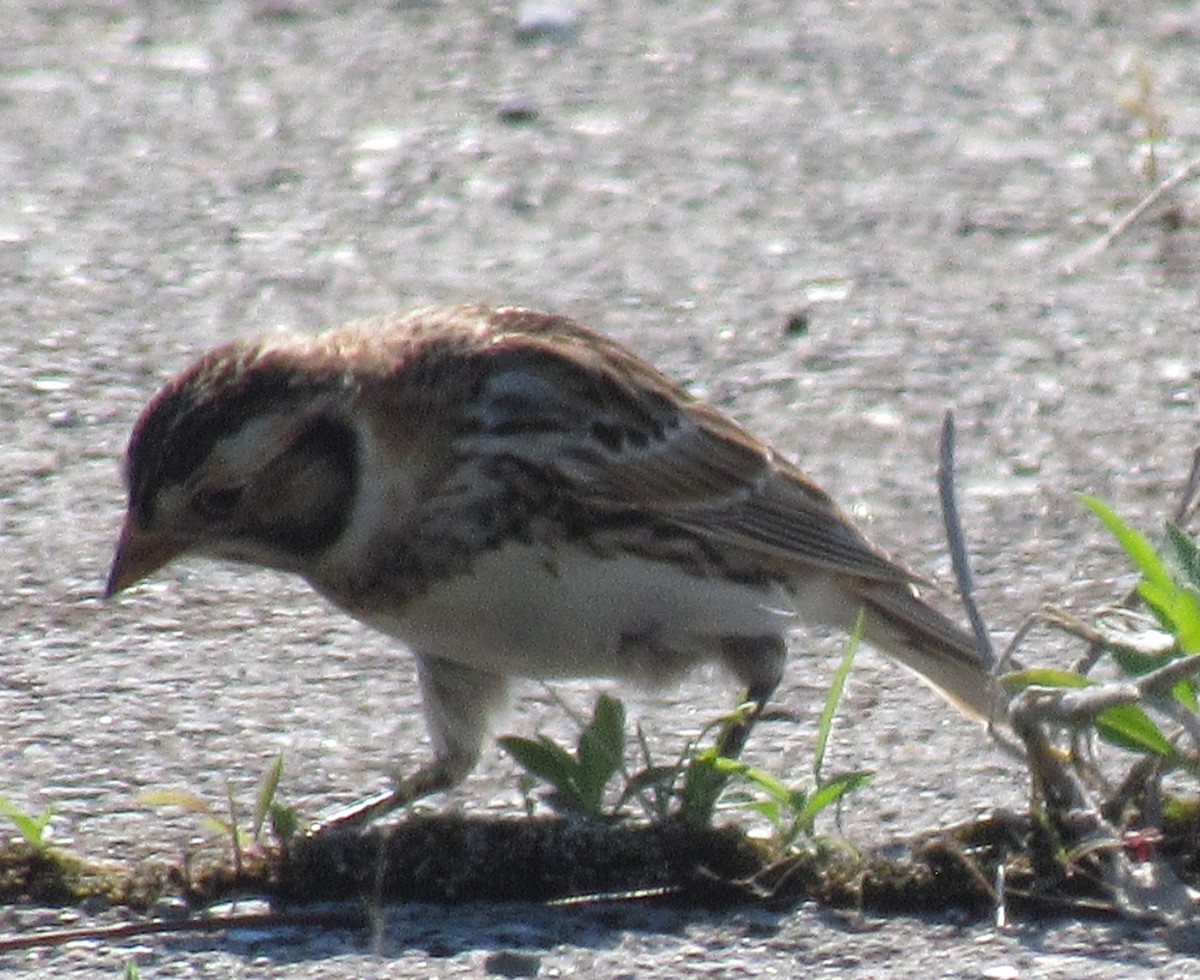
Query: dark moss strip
{"points": [[456, 859]]}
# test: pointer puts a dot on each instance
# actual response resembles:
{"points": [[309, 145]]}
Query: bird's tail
{"points": [[941, 652]]}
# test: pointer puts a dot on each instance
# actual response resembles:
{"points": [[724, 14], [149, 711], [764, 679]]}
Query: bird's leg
{"points": [[759, 662], [438, 775], [734, 735], [458, 701]]}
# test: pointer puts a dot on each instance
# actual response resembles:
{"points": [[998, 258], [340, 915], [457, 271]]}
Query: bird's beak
{"points": [[138, 554]]}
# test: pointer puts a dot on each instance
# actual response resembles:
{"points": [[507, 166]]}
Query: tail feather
{"points": [[944, 654]]}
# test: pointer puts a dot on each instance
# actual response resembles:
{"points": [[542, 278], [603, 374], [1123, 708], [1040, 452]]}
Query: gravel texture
{"points": [[835, 221]]}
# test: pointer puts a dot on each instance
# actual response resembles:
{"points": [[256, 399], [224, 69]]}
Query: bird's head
{"points": [[244, 456]]}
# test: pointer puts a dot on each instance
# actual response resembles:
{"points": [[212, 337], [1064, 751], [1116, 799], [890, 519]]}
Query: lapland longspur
{"points": [[512, 495]]}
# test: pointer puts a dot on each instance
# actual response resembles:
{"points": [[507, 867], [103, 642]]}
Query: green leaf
{"points": [[545, 759], [1133, 541], [1019, 680], [1135, 663], [652, 777], [601, 751], [1160, 598], [175, 797], [1185, 693], [31, 828], [1177, 607], [221, 827], [607, 728], [285, 822], [1185, 553], [1127, 726], [768, 809], [701, 779]]}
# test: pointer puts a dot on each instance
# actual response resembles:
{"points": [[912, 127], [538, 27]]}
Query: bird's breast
{"points": [[533, 611]]}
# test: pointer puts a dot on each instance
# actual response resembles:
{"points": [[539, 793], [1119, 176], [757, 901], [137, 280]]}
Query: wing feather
{"points": [[741, 494], [623, 436]]}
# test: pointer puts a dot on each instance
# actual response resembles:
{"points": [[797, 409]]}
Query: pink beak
{"points": [[139, 553]]}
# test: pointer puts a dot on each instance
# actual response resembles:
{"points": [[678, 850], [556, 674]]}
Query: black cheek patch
{"points": [[315, 483]]}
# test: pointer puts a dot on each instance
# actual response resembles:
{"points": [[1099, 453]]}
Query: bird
{"points": [[513, 495]]}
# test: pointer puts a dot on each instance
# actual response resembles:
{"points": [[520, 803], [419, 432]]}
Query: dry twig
{"points": [[1089, 252]]}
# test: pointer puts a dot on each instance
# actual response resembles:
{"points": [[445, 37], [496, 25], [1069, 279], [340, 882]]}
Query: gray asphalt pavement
{"points": [[905, 181]]}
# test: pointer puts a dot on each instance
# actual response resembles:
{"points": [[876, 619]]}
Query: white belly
{"points": [[520, 615]]}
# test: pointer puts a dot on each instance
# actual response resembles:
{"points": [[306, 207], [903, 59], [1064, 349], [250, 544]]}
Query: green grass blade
{"points": [[834, 697], [267, 789], [1161, 600], [650, 778], [768, 809], [775, 788], [219, 827], [831, 792], [1178, 610], [176, 797], [1133, 541], [1019, 680], [1187, 618]]}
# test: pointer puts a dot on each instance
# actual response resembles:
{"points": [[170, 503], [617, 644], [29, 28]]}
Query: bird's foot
{"points": [[356, 816]]}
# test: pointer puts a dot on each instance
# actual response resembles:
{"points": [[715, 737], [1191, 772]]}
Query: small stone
{"points": [[181, 59], [63, 418], [509, 964], [280, 11], [1026, 464], [547, 22], [796, 324], [50, 383], [170, 907], [517, 109], [95, 904]]}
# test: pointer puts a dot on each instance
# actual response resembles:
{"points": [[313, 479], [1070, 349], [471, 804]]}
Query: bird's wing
{"points": [[624, 437]]}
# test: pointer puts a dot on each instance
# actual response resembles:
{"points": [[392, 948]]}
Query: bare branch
{"points": [[1086, 254], [956, 541], [1161, 681], [1191, 491]]}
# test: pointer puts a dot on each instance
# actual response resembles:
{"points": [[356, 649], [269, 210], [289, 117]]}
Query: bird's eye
{"points": [[216, 502]]}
